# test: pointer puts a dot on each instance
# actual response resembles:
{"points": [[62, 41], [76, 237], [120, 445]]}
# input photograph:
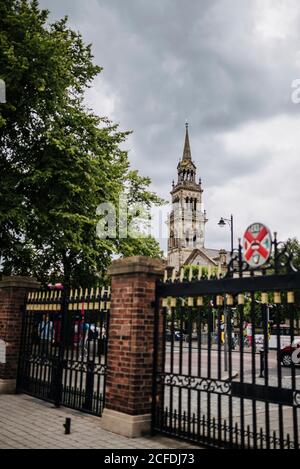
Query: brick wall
{"points": [[13, 292], [130, 345]]}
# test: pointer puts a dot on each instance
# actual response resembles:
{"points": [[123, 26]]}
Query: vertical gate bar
{"points": [[36, 349], [219, 365], [89, 386], [264, 309], [76, 324], [43, 341], [95, 335], [32, 335], [96, 397], [90, 369], [48, 351], [279, 375], [68, 371], [61, 352], [102, 346], [28, 351], [97, 357], [292, 309], [27, 347], [69, 352], [241, 332], [278, 341], [22, 358], [82, 372], [171, 367], [156, 339], [229, 334], [180, 368], [49, 355], [189, 371], [236, 432], [199, 344], [40, 352], [248, 437], [87, 339], [100, 394], [210, 315], [67, 377], [163, 368], [48, 373], [106, 351], [274, 440], [253, 356], [102, 339], [38, 360], [88, 347]]}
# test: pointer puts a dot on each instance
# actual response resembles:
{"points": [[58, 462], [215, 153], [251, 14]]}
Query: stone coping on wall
{"points": [[137, 265], [19, 282]]}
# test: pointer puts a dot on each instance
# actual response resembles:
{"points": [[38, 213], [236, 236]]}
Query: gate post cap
{"points": [[19, 282], [137, 265]]}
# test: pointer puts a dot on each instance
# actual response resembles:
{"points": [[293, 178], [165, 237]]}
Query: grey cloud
{"points": [[168, 60]]}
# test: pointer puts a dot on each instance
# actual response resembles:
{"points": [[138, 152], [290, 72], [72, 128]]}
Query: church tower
{"points": [[187, 219]]}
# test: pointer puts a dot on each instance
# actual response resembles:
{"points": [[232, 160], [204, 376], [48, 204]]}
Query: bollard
{"points": [[262, 363], [67, 426]]}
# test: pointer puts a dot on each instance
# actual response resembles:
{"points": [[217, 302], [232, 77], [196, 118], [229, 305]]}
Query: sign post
{"points": [[257, 244]]}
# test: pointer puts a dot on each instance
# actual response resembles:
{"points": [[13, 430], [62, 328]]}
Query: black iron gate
{"points": [[64, 348], [226, 372]]}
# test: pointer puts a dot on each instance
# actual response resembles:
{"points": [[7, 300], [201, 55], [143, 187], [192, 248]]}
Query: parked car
{"points": [[286, 354]]}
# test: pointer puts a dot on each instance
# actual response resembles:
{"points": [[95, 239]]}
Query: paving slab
{"points": [[26, 422]]}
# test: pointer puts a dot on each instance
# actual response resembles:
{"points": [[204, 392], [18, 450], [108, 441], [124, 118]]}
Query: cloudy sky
{"points": [[226, 66]]}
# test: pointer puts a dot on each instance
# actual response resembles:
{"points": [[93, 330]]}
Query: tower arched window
{"points": [[187, 238], [172, 239]]}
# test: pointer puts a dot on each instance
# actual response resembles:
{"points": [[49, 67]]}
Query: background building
{"points": [[187, 220]]}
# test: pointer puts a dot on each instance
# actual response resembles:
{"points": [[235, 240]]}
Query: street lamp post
{"points": [[222, 223], [228, 221]]}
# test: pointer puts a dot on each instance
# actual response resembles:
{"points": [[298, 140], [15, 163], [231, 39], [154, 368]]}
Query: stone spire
{"points": [[187, 149], [187, 219]]}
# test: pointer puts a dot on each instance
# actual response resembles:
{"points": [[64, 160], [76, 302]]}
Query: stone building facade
{"points": [[187, 220]]}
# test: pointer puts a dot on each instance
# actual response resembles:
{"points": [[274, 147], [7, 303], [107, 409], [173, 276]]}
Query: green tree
{"points": [[58, 160], [293, 247]]}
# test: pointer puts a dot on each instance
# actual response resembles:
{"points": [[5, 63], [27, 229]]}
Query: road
{"points": [[255, 413]]}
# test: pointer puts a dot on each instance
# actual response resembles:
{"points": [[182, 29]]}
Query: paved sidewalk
{"points": [[26, 422]]}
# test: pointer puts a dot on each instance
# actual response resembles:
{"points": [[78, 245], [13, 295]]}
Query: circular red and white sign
{"points": [[257, 244]]}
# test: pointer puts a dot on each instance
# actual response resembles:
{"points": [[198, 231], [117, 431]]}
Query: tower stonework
{"points": [[188, 218]]}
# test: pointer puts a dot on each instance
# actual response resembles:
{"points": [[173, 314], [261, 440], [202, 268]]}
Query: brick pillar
{"points": [[13, 292], [128, 397]]}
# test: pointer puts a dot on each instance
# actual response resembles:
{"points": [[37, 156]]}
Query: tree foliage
{"points": [[58, 160]]}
